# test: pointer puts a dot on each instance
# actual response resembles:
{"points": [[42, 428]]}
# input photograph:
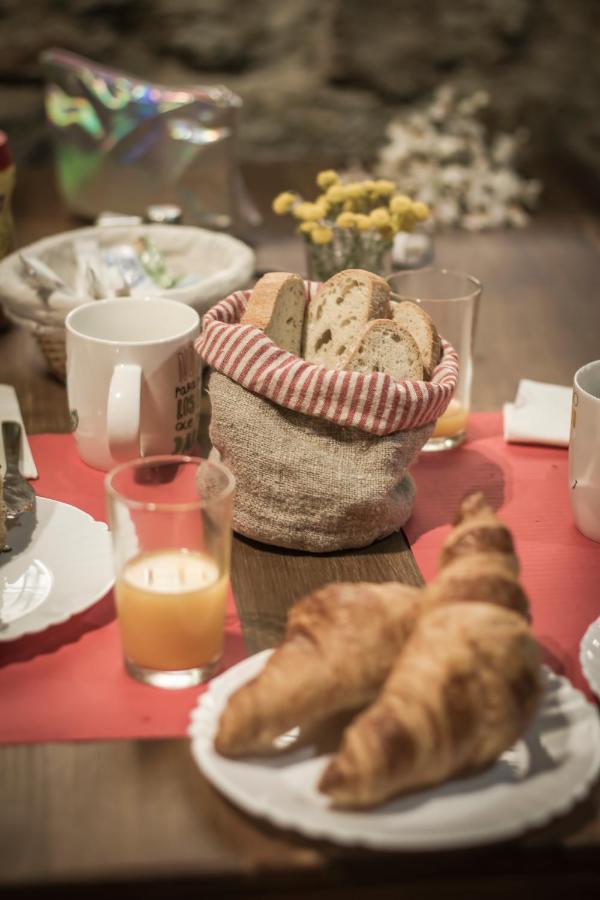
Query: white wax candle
{"points": [[171, 608], [171, 572]]}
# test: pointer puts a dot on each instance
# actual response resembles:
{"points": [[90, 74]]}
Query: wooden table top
{"points": [[105, 816]]}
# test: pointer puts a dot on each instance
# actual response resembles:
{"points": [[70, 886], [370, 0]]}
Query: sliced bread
{"points": [[276, 306], [422, 327], [339, 312], [385, 346]]}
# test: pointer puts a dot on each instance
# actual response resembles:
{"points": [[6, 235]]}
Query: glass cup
{"points": [[452, 301], [170, 518]]}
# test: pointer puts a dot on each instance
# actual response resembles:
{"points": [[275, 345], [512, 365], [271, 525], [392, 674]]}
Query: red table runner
{"points": [[528, 487], [68, 683]]}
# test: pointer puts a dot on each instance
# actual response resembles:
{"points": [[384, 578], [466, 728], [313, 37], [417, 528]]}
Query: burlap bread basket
{"points": [[320, 456]]}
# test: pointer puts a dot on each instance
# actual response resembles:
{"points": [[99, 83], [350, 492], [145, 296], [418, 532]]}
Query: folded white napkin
{"points": [[540, 414], [11, 412]]}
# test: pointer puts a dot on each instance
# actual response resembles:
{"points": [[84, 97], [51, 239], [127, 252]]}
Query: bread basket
{"points": [[223, 262], [320, 455]]}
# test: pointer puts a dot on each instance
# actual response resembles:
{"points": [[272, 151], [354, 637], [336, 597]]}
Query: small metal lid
{"points": [[164, 214]]}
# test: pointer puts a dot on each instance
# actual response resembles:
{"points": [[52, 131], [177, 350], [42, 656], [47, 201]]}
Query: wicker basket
{"points": [[224, 263], [53, 345]]}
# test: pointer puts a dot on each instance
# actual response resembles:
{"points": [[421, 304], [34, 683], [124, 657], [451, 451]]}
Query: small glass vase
{"points": [[349, 249]]}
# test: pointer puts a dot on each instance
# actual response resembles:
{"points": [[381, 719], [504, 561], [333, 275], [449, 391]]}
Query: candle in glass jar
{"points": [[171, 606]]}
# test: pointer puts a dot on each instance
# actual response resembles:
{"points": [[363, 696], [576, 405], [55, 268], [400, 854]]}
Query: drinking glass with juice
{"points": [[171, 525], [452, 301]]}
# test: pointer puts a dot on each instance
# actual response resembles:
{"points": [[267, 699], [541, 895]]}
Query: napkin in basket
{"points": [[540, 414]]}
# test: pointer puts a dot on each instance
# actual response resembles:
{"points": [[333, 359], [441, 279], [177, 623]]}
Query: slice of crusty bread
{"points": [[422, 327], [276, 306], [385, 346], [339, 312]]}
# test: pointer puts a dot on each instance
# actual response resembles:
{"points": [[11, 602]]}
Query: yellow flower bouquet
{"points": [[350, 225]]}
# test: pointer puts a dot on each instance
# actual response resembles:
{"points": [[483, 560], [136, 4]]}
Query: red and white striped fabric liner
{"points": [[373, 402]]}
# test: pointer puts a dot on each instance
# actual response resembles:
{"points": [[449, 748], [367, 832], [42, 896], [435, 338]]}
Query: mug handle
{"points": [[123, 412]]}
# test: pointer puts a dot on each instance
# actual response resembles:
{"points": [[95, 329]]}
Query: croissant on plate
{"points": [[478, 561], [341, 641], [461, 692], [339, 646]]}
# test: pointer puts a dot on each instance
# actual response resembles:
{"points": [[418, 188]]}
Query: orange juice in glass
{"points": [[171, 525], [452, 301], [453, 422]]}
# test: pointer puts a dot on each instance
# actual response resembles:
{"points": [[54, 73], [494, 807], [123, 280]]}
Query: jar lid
{"points": [[5, 154], [164, 214]]}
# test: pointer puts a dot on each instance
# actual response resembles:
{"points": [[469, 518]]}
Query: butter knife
{"points": [[19, 496]]}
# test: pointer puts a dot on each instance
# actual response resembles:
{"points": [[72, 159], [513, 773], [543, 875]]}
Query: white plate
{"points": [[542, 776], [59, 565], [589, 655]]}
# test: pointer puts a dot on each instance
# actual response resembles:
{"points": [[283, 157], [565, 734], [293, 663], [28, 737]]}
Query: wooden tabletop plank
{"points": [[133, 810], [267, 580]]}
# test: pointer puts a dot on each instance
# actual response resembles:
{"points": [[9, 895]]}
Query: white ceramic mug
{"points": [[584, 450], [133, 379]]}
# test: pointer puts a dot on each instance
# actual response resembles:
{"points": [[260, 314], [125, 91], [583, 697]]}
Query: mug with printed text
{"points": [[584, 450], [133, 379]]}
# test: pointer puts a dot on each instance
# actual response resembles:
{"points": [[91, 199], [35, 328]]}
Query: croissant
{"points": [[462, 691], [478, 561], [339, 647], [478, 530]]}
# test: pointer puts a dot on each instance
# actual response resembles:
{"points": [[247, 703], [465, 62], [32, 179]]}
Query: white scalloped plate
{"points": [[542, 776], [589, 655], [59, 565]]}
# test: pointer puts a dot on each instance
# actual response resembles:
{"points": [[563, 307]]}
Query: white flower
{"points": [[441, 155], [447, 212], [454, 176]]}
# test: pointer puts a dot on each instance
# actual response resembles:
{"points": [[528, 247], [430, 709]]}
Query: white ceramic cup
{"points": [[584, 450], [133, 379]]}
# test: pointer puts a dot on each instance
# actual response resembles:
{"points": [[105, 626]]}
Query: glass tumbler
{"points": [[452, 300], [170, 518]]}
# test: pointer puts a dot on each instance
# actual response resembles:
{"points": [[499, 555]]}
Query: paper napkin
{"points": [[540, 414], [11, 412]]}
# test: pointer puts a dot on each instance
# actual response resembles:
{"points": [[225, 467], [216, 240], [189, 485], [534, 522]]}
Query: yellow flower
{"points": [[421, 211], [283, 203], [307, 227], [362, 222], [321, 235], [397, 221], [327, 178], [379, 217], [400, 203], [322, 205], [409, 220], [336, 193], [346, 220], [308, 211], [355, 191], [384, 188]]}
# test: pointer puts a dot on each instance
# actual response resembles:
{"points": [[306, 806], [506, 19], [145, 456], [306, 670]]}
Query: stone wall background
{"points": [[322, 77]]}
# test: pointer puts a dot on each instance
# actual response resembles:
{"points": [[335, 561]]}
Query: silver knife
{"points": [[19, 496]]}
